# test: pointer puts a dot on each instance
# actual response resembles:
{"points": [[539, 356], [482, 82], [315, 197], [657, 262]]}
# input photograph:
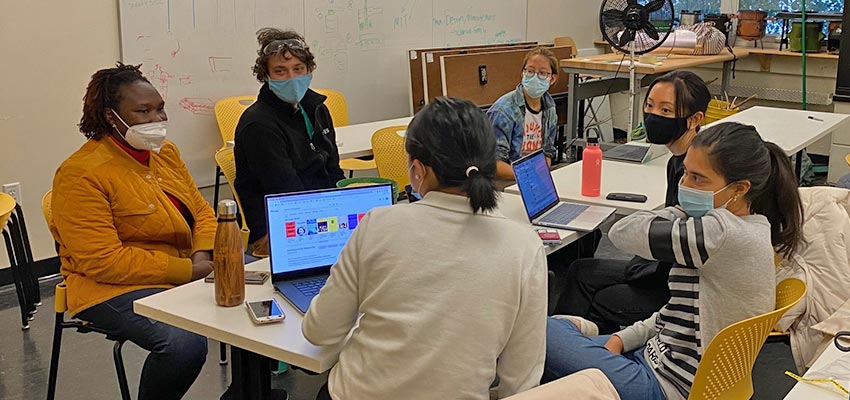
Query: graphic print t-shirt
{"points": [[532, 139]]}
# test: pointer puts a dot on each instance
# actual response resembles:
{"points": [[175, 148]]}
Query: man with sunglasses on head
{"points": [[285, 142]]}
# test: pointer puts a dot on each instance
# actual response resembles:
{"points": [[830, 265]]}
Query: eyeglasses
{"points": [[542, 75], [284, 44]]}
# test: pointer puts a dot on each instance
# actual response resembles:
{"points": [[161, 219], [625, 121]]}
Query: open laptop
{"points": [[542, 205], [307, 231], [635, 152]]}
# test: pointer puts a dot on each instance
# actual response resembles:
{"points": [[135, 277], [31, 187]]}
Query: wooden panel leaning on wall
{"points": [[416, 59], [461, 74]]}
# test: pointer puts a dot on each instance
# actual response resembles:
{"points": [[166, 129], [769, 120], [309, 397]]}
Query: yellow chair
{"points": [[60, 306], [726, 368], [390, 155], [7, 205], [227, 113], [224, 160], [847, 159], [339, 113], [336, 105]]}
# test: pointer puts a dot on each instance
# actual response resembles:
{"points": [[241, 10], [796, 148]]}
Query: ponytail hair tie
{"points": [[470, 170]]}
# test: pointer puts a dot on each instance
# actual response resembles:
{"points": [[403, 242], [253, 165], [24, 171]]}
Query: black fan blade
{"points": [[651, 31], [655, 5], [632, 2], [625, 38], [614, 15]]}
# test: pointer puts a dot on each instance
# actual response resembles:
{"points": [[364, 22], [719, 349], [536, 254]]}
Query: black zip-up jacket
{"points": [[273, 153]]}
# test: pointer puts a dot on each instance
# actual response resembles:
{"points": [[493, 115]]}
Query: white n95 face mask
{"points": [[149, 136]]}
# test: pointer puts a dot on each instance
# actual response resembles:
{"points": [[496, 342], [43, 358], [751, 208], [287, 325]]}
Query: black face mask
{"points": [[664, 130]]}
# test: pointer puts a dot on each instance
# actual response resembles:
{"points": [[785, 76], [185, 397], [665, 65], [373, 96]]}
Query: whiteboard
{"points": [[198, 51]]}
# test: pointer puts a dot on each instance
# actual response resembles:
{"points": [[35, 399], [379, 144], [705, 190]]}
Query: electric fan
{"points": [[635, 27]]}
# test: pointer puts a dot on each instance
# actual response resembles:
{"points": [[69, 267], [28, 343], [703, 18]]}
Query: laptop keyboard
{"points": [[310, 287], [626, 152], [564, 214]]}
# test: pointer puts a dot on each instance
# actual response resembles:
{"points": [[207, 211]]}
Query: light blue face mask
{"points": [[291, 90], [697, 202], [535, 86]]}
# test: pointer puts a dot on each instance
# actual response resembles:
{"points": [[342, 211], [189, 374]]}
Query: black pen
{"points": [[815, 119]]}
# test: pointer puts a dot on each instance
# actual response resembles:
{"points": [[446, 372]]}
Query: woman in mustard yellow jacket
{"points": [[130, 222]]}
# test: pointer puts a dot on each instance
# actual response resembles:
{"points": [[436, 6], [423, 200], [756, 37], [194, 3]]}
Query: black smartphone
{"points": [[632, 197]]}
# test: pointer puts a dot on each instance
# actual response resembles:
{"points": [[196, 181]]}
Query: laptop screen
{"points": [[535, 183], [308, 230]]}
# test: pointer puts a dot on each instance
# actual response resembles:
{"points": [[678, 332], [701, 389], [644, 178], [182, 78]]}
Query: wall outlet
{"points": [[14, 190]]}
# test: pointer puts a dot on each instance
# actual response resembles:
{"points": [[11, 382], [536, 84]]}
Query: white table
{"points": [[648, 179], [807, 391], [356, 140], [192, 307], [791, 130]]}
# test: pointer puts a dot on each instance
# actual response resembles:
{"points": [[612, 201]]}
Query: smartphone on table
{"points": [[251, 277], [265, 311]]}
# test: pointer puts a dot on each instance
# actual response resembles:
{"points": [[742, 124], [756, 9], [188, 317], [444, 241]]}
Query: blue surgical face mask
{"points": [[291, 90], [535, 86], [697, 202]]}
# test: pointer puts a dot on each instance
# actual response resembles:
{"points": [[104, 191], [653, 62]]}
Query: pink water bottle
{"points": [[591, 168]]}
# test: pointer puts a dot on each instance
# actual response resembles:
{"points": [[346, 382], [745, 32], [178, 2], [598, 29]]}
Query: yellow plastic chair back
{"points": [[224, 159], [47, 207], [726, 368], [847, 159], [339, 113], [336, 105], [227, 113], [390, 155], [7, 205]]}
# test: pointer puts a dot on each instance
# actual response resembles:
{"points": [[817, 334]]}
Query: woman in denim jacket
{"points": [[525, 120]]}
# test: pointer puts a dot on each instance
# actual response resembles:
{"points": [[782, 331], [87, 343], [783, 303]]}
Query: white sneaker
{"points": [[587, 328]]}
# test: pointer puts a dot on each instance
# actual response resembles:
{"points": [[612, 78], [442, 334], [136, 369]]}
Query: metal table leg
{"points": [[572, 112], [798, 167], [251, 377]]}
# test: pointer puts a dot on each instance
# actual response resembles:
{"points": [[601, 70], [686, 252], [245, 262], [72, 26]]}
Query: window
{"points": [[774, 6], [704, 6]]}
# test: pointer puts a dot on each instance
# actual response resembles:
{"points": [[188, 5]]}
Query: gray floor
{"points": [[86, 369]]}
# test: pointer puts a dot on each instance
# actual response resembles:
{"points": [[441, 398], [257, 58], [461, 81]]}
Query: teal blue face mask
{"points": [[291, 90], [534, 85], [697, 202]]}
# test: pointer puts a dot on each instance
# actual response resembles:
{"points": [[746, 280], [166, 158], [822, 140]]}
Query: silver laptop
{"points": [[542, 205], [635, 152], [307, 231]]}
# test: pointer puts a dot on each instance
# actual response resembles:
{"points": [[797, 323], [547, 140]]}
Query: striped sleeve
{"points": [[669, 235]]}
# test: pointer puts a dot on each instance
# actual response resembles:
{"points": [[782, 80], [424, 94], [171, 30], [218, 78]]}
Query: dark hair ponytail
{"points": [[455, 138], [781, 204], [738, 153]]}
